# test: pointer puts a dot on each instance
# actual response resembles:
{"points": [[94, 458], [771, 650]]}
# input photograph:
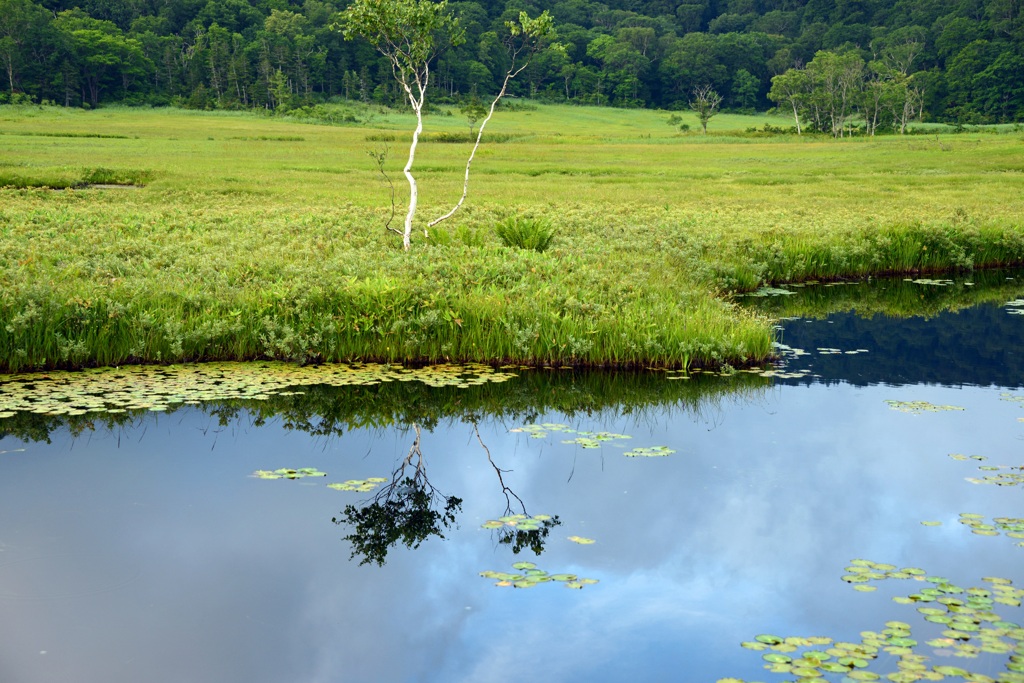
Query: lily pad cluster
{"points": [[1013, 476], [929, 282], [829, 351], [861, 572], [779, 372], [540, 431], [942, 590], [1013, 527], [918, 407], [528, 576], [817, 656], [518, 522], [1015, 307], [584, 439], [650, 452], [117, 390], [766, 291], [786, 350], [285, 473], [970, 628], [1008, 475], [590, 439], [595, 439], [358, 485]]}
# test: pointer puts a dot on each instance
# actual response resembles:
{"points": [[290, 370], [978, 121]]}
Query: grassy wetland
{"points": [[163, 235]]}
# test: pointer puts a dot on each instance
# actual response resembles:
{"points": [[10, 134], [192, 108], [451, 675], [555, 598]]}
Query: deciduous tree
{"points": [[705, 102], [410, 34], [524, 39]]}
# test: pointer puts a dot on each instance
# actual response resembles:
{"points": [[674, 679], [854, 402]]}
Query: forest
{"points": [[890, 60]]}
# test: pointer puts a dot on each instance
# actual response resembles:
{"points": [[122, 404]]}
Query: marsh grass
{"points": [[255, 248]]}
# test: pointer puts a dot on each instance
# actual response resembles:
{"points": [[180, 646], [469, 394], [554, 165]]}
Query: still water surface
{"points": [[147, 552]]}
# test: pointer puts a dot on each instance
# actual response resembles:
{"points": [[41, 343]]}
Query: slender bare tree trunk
{"points": [[417, 107], [479, 135]]}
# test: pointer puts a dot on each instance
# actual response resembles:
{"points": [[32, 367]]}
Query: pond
{"points": [[862, 500]]}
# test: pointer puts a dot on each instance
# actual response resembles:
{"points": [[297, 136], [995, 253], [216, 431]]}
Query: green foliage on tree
{"points": [[962, 59], [705, 102]]}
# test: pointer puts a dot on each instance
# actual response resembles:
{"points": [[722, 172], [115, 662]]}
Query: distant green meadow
{"points": [[142, 236]]}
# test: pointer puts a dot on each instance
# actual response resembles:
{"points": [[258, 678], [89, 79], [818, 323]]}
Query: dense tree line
{"points": [[952, 60]]}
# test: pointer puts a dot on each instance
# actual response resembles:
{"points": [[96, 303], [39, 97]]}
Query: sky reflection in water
{"points": [[149, 554]]}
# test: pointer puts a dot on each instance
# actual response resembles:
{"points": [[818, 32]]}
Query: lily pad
{"points": [[519, 522], [535, 577], [582, 540], [919, 407], [358, 485], [649, 452], [286, 473], [148, 388]]}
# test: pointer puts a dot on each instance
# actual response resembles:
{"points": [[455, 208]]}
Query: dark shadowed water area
{"points": [[143, 545]]}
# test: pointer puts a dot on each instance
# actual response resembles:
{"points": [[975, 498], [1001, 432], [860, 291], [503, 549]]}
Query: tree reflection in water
{"points": [[409, 510], [533, 539]]}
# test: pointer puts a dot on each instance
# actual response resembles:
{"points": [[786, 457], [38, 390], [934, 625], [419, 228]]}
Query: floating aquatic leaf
{"points": [[854, 662], [651, 452], [918, 407], [931, 523], [769, 291], [777, 658], [585, 442], [520, 522], [286, 473], [358, 485], [161, 388], [582, 540], [769, 639], [534, 577], [951, 671], [774, 642], [931, 282]]}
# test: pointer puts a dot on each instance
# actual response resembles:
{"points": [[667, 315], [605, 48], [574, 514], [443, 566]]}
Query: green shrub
{"points": [[525, 233]]}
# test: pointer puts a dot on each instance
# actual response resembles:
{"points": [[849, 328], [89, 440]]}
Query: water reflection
{"points": [[408, 509], [135, 547], [901, 331]]}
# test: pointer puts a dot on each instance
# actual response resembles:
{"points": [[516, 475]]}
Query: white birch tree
{"points": [[525, 38], [410, 34]]}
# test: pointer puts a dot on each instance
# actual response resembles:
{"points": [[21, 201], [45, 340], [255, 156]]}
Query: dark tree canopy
{"points": [[962, 59]]}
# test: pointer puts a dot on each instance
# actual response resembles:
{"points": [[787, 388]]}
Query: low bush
{"points": [[525, 233]]}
